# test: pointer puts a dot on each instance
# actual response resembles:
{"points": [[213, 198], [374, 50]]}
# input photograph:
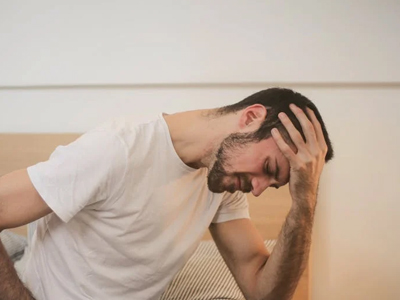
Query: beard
{"points": [[235, 141]]}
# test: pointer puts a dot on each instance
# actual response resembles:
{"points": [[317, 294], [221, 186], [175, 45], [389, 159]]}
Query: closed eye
{"points": [[276, 175], [267, 171]]}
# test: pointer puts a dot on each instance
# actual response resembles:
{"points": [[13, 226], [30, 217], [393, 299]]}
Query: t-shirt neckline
{"points": [[171, 145]]}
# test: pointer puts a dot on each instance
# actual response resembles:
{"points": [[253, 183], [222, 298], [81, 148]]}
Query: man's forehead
{"points": [[270, 147]]}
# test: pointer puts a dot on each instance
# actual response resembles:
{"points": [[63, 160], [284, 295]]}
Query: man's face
{"points": [[248, 166]]}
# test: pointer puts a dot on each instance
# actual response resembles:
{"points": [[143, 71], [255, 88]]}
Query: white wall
{"points": [[77, 110], [89, 50], [356, 243], [47, 42]]}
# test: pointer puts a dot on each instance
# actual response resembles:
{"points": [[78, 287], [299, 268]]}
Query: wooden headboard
{"points": [[268, 211]]}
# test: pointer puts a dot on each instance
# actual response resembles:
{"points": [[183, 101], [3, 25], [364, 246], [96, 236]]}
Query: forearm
{"points": [[11, 287], [280, 275]]}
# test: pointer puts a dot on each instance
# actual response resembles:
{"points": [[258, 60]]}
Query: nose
{"points": [[260, 184]]}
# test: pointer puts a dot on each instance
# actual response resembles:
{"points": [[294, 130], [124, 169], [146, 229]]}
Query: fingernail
{"points": [[281, 115]]}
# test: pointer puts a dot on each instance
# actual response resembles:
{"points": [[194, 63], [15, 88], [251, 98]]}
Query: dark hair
{"points": [[277, 100]]}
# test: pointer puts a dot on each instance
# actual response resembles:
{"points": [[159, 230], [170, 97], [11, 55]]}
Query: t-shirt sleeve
{"points": [[233, 206], [87, 171]]}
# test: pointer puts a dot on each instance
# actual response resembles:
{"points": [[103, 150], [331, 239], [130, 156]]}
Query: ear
{"points": [[252, 117]]}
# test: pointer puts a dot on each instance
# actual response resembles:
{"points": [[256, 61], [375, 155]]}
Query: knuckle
{"points": [[309, 163], [310, 160], [308, 126], [319, 155], [313, 135], [297, 138], [302, 167]]}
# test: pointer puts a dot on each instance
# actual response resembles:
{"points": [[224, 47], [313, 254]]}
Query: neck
{"points": [[197, 135]]}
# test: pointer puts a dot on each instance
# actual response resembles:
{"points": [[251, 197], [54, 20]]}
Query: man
{"points": [[125, 206]]}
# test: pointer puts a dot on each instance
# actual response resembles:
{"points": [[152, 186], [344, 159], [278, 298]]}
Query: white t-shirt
{"points": [[128, 214]]}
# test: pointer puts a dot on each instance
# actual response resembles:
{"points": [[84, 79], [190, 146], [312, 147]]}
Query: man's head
{"points": [[250, 160]]}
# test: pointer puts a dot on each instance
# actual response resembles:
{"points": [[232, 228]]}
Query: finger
{"points": [[318, 129], [306, 125], [283, 146], [292, 130]]}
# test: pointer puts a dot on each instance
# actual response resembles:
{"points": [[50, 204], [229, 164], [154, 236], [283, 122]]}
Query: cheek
{"points": [[236, 162], [239, 166]]}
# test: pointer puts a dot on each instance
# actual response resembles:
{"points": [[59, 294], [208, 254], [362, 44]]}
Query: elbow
{"points": [[2, 226], [2, 223]]}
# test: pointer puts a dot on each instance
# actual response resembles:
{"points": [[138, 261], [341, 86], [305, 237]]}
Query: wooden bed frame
{"points": [[268, 211]]}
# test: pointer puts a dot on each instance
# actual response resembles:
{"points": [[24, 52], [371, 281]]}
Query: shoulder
{"points": [[128, 128]]}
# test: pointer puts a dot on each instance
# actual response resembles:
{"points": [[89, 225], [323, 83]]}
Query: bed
{"points": [[205, 276]]}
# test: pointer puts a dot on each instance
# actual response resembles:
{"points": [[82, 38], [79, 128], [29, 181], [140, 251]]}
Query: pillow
{"points": [[206, 276], [14, 244]]}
